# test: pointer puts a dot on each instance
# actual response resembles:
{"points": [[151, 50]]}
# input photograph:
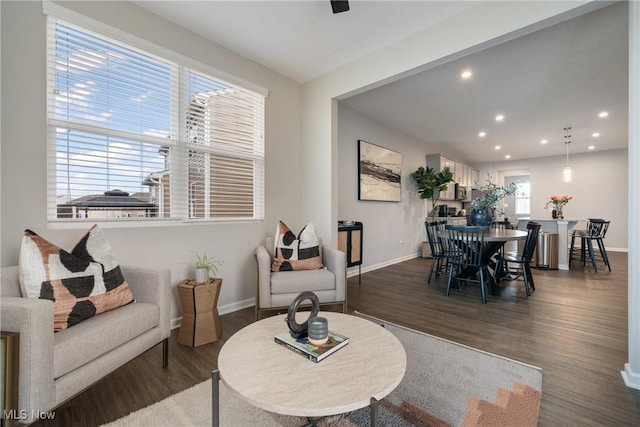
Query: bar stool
{"points": [[596, 230], [578, 233]]}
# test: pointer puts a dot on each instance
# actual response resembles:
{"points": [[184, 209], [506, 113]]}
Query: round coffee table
{"points": [[274, 378]]}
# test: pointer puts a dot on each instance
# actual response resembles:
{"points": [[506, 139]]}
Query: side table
{"points": [[200, 317]]}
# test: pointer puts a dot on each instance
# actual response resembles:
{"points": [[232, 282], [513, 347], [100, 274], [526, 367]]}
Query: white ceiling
{"points": [[560, 76]]}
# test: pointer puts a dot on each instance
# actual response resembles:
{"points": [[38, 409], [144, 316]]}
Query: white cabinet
{"points": [[474, 176], [449, 193], [457, 220], [438, 163], [462, 172]]}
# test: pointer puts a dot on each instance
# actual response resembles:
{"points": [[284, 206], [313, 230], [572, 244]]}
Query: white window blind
{"points": [[135, 136]]}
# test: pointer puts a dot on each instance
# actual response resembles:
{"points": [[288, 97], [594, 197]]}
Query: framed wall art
{"points": [[378, 173]]}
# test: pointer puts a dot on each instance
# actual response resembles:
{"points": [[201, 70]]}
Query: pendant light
{"points": [[567, 169]]}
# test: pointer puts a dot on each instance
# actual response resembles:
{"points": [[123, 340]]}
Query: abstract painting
{"points": [[378, 173]]}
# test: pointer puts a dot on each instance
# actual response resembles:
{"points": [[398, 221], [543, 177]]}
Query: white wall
{"points": [[599, 188], [492, 23], [23, 172], [385, 224]]}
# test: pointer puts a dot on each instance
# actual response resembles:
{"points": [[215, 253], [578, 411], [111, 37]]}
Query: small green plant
{"points": [[205, 263], [430, 183]]}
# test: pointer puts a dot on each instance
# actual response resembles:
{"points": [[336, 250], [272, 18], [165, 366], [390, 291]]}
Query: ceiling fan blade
{"points": [[339, 6]]}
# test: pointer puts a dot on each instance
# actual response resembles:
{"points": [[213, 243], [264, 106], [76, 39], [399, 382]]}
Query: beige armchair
{"points": [[277, 290], [54, 367]]}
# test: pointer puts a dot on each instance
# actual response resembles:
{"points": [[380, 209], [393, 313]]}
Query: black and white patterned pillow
{"points": [[82, 283], [301, 252]]}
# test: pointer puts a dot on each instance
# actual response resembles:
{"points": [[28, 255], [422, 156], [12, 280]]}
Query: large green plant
{"points": [[431, 183], [491, 196]]}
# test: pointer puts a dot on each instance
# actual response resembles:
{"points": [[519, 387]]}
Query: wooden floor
{"points": [[574, 327]]}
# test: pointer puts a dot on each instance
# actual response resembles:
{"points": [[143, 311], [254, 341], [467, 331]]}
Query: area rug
{"points": [[445, 384]]}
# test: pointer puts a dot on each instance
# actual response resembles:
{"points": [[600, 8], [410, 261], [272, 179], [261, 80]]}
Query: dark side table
{"points": [[350, 242]]}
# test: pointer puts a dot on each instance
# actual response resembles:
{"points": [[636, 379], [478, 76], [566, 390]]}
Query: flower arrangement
{"points": [[492, 194], [558, 201], [485, 207]]}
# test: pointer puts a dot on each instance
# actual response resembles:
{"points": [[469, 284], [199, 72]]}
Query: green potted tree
{"points": [[430, 184], [486, 207]]}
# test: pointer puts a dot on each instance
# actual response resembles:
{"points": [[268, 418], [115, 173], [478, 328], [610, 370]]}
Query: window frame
{"points": [[179, 133], [519, 197]]}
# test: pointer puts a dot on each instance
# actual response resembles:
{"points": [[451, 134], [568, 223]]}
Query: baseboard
{"points": [[617, 249], [631, 379], [223, 309], [353, 271]]}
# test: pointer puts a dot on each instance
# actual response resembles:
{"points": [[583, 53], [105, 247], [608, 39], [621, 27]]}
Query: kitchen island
{"points": [[561, 226]]}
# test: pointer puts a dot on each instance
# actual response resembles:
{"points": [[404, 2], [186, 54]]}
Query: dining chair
{"points": [[438, 253], [521, 270], [465, 246], [500, 225]]}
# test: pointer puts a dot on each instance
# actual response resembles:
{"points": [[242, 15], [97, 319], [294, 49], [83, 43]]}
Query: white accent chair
{"points": [[275, 291], [54, 367]]}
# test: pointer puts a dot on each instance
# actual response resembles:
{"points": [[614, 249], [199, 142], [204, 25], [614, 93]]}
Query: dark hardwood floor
{"points": [[574, 327]]}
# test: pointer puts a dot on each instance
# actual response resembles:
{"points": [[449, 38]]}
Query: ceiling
{"points": [[560, 76]]}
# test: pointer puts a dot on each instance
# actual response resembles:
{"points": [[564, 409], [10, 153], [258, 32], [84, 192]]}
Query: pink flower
{"points": [[558, 200]]}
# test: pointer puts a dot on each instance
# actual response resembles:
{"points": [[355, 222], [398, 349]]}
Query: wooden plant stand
{"points": [[200, 317]]}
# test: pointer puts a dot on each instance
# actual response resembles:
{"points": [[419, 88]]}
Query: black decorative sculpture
{"points": [[295, 329]]}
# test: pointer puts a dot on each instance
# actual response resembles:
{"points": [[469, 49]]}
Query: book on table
{"points": [[303, 347]]}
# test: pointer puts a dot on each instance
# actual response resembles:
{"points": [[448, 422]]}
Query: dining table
{"points": [[494, 239]]}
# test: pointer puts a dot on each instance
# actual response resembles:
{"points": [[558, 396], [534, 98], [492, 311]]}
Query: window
{"points": [[133, 135], [523, 197]]}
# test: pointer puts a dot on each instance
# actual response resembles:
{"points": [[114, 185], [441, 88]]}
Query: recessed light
{"points": [[466, 74], [499, 117], [482, 134], [603, 114], [595, 134], [508, 156], [543, 141], [497, 147], [592, 147]]}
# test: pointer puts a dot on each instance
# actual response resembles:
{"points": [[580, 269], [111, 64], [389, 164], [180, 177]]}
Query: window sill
{"points": [[80, 225]]}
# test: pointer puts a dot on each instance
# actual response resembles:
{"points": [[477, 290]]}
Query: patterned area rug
{"points": [[446, 384]]}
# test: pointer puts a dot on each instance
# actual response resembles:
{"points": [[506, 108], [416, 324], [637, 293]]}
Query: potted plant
{"points": [[205, 268], [486, 207], [558, 201], [430, 183]]}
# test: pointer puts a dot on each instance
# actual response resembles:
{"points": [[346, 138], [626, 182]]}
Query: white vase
{"points": [[202, 275]]}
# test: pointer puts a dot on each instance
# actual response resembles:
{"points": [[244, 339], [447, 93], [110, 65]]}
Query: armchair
{"points": [[277, 290], [54, 367]]}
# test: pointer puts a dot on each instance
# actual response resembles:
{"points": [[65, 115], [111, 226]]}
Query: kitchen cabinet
{"points": [[462, 172], [453, 220], [463, 175], [474, 176], [438, 163]]}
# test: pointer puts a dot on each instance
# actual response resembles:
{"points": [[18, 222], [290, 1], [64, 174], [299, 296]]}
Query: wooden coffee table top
{"points": [[274, 378]]}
